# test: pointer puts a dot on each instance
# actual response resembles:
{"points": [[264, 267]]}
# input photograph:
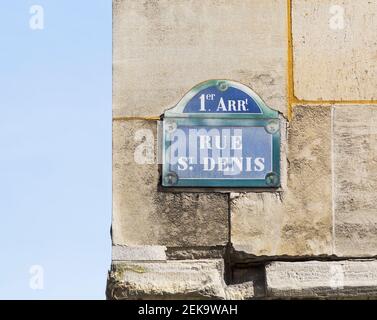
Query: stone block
{"points": [[355, 180], [334, 49], [327, 279], [178, 279], [307, 221], [163, 48], [186, 279]]}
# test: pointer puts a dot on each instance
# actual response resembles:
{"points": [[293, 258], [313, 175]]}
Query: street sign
{"points": [[221, 134]]}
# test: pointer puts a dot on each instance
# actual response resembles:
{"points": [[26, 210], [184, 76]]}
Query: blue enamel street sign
{"points": [[221, 134]]}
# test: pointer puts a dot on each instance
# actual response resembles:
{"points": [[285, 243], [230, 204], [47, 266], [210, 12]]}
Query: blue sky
{"points": [[55, 149]]}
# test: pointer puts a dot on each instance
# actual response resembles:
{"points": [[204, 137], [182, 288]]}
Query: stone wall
{"points": [[316, 237]]}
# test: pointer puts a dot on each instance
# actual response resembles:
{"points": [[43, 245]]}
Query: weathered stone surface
{"points": [[355, 177], [251, 227], [298, 220], [144, 216], [316, 279], [242, 291], [163, 48], [178, 279], [183, 253], [307, 227], [170, 280], [138, 253], [334, 49]]}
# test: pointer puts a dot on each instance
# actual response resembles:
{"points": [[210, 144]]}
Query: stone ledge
{"points": [[174, 279], [315, 279], [200, 279], [138, 253]]}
